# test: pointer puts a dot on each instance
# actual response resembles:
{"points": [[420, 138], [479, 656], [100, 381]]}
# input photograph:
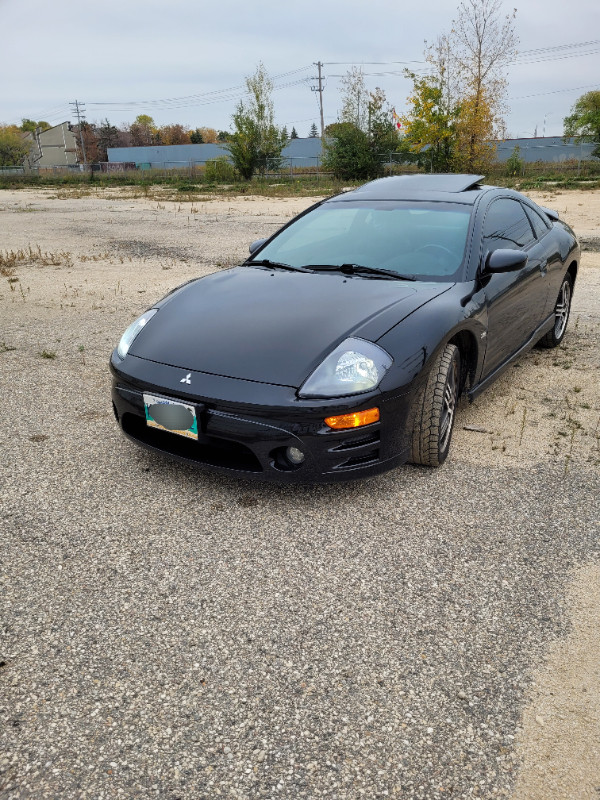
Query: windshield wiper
{"points": [[265, 262], [360, 269]]}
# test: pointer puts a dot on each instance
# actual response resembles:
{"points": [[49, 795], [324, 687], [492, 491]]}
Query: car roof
{"points": [[444, 187]]}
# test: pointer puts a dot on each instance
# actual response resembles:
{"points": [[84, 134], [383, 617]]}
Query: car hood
{"points": [[272, 326]]}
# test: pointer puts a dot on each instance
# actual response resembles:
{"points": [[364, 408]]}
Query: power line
{"points": [[556, 91]]}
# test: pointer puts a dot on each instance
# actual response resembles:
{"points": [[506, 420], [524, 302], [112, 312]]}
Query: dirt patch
{"points": [[560, 737]]}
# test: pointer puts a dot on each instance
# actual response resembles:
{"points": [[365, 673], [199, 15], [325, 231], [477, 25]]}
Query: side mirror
{"points": [[255, 245], [505, 261]]}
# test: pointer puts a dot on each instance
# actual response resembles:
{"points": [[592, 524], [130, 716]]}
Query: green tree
{"points": [[294, 134], [196, 136], [314, 131], [13, 147], [256, 142], [284, 132], [30, 125], [584, 120], [353, 153], [348, 153], [515, 163], [223, 136], [429, 127]]}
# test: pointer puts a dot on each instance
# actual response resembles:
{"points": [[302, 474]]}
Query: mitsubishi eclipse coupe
{"points": [[340, 347]]}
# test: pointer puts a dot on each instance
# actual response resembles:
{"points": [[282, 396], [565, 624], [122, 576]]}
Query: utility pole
{"points": [[79, 109], [319, 89]]}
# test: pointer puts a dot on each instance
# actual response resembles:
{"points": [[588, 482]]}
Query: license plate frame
{"points": [[180, 410]]}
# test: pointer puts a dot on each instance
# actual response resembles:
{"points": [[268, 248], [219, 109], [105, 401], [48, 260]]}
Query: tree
{"points": [[256, 141], [143, 131], [428, 125], [294, 134], [284, 132], [209, 135], [314, 131], [107, 135], [474, 149], [482, 44], [196, 136], [584, 120], [174, 134], [360, 154], [90, 142], [355, 99], [14, 148], [31, 126], [223, 136]]}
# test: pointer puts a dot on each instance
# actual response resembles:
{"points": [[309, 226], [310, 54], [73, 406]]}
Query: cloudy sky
{"points": [[185, 60]]}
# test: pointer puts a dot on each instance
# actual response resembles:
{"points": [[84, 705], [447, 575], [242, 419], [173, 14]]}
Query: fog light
{"points": [[294, 456]]}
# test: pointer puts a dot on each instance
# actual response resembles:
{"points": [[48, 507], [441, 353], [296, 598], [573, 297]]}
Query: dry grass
{"points": [[32, 256]]}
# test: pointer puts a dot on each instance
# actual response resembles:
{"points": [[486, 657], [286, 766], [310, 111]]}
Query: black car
{"points": [[340, 347]]}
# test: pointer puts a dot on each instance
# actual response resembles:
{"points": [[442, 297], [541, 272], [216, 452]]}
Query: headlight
{"points": [[133, 330], [354, 366]]}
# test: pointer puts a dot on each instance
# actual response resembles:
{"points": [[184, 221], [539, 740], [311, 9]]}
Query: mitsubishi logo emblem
{"points": [[186, 379]]}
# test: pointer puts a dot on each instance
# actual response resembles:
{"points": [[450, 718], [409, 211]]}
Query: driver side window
{"points": [[506, 226]]}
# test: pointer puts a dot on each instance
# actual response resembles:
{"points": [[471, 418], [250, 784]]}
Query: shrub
{"points": [[219, 170]]}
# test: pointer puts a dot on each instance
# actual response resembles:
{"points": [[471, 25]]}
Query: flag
{"points": [[397, 120]]}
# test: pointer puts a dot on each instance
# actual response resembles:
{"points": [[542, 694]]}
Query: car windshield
{"points": [[423, 240]]}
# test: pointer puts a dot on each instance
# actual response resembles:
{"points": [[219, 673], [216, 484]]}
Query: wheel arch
{"points": [[468, 347]]}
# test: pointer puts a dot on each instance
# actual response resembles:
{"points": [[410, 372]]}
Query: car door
{"points": [[515, 300], [550, 254]]}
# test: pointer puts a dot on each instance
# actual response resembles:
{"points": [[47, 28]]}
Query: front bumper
{"points": [[248, 437]]}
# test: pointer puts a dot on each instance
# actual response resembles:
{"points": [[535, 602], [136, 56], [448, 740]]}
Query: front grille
{"points": [[213, 452]]}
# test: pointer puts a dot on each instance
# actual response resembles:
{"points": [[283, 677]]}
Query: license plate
{"points": [[171, 415]]}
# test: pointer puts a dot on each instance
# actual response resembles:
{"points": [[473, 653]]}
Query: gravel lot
{"points": [[170, 633]]}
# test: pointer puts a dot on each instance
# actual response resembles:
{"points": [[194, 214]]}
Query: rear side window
{"points": [[506, 226], [539, 224]]}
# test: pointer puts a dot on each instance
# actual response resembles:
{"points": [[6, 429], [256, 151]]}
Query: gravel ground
{"points": [[171, 633]]}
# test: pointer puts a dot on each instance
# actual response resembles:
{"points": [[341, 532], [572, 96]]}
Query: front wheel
{"points": [[435, 409], [562, 310]]}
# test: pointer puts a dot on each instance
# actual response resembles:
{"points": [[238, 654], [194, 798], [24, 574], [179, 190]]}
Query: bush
{"points": [[349, 154], [514, 163], [219, 170]]}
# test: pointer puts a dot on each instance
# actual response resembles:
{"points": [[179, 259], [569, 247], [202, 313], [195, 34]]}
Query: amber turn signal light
{"points": [[355, 420]]}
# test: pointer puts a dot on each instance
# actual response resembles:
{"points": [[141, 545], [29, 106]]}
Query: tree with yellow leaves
{"points": [[429, 126], [457, 109]]}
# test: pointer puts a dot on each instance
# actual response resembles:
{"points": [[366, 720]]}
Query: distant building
{"points": [[297, 153], [55, 147], [545, 148]]}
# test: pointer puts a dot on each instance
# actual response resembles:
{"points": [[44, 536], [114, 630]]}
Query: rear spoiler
{"points": [[550, 213]]}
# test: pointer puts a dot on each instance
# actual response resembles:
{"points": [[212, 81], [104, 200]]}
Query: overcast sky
{"points": [[128, 57]]}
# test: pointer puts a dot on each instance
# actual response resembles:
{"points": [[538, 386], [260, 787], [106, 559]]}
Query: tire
{"points": [[562, 309], [435, 410]]}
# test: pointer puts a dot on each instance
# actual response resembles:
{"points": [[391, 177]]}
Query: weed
{"points": [[49, 354], [6, 348], [522, 425], [32, 256]]}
